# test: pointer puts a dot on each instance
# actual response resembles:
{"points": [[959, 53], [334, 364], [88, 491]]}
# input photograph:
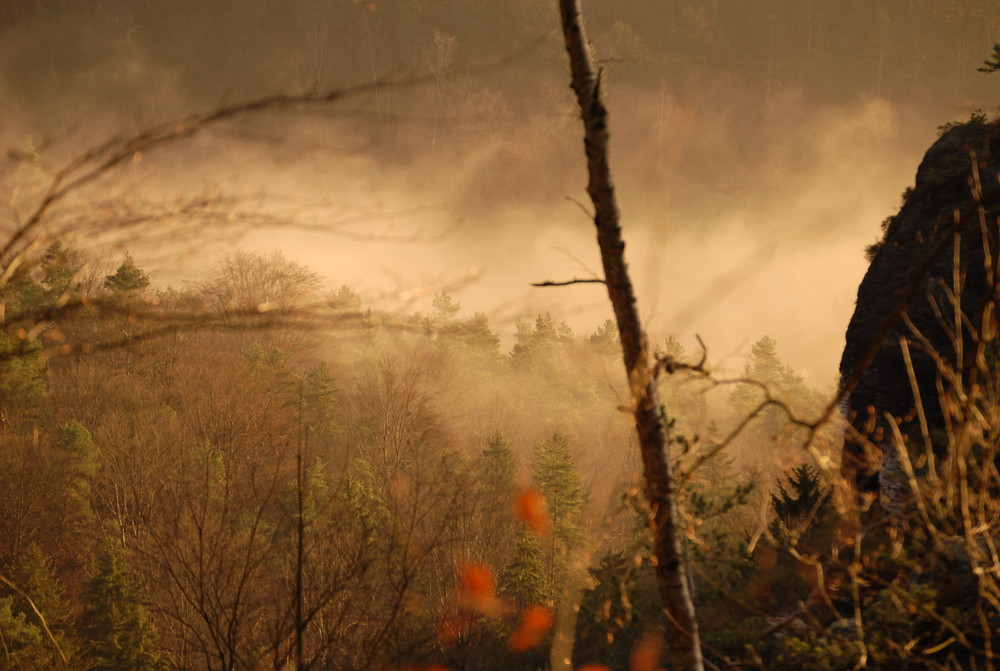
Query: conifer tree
{"points": [[535, 346], [555, 475], [994, 64], [446, 309], [23, 384], [27, 643], [498, 467], [782, 384], [496, 473], [525, 578], [76, 458], [23, 638], [613, 615], [128, 279], [114, 626], [35, 574], [60, 266], [800, 504], [605, 339], [358, 489]]}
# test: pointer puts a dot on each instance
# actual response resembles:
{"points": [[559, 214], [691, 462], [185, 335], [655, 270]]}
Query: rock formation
{"points": [[941, 245]]}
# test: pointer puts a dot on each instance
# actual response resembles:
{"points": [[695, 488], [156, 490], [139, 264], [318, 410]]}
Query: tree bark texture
{"points": [[682, 639]]}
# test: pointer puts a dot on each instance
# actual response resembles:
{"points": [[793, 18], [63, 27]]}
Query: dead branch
{"points": [[549, 283], [671, 568]]}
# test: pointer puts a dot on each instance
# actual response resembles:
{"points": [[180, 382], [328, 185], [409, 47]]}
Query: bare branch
{"points": [[549, 283]]}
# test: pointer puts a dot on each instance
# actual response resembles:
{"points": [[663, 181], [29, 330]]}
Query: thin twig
{"points": [[549, 283]]}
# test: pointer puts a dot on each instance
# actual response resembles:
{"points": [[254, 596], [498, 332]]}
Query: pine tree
{"points": [[28, 646], [23, 384], [60, 266], [446, 309], [498, 467], [534, 346], [358, 491], [128, 279], [23, 638], [114, 626], [782, 384], [478, 339], [798, 506], [35, 574], [610, 623], [605, 339], [496, 470], [992, 65], [555, 475], [76, 458], [525, 579]]}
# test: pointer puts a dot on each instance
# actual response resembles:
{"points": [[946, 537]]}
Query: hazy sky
{"points": [[756, 146]]}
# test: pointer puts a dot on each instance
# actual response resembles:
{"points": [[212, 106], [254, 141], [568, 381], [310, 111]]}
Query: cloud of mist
{"points": [[746, 213]]}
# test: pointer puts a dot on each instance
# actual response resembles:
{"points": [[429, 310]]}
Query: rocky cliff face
{"points": [[935, 261]]}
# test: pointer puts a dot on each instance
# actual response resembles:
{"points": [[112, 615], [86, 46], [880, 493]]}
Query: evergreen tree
{"points": [[555, 475], [72, 464], [682, 397], [478, 338], [615, 612], [535, 346], [23, 638], [114, 627], [358, 490], [32, 289], [320, 412], [994, 64], [76, 458], [128, 279], [446, 309], [496, 496], [27, 644], [799, 505], [23, 385], [60, 267], [782, 384], [764, 365], [498, 469], [35, 574], [525, 578], [605, 339]]}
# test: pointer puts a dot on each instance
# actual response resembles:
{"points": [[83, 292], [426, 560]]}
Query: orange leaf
{"points": [[531, 508], [477, 590], [477, 581], [535, 624]]}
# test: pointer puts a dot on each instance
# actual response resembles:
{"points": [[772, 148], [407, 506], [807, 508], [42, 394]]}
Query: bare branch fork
{"points": [[672, 571], [670, 365]]}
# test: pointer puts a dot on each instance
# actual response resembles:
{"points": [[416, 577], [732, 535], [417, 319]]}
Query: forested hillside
{"points": [[172, 501], [306, 363]]}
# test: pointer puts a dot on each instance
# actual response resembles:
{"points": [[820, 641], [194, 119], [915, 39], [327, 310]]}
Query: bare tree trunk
{"points": [[671, 570]]}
